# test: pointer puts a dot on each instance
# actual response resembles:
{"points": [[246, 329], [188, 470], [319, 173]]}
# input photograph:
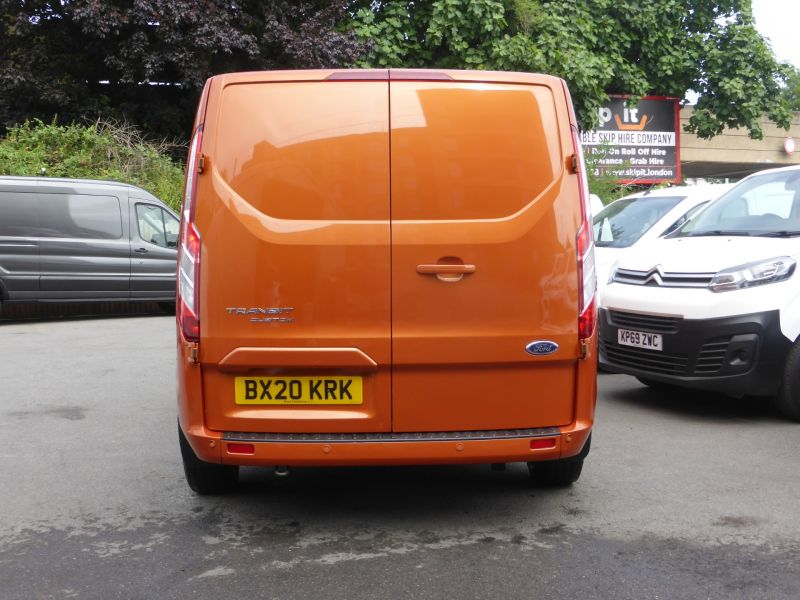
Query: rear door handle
{"points": [[444, 272], [141, 251], [445, 269]]}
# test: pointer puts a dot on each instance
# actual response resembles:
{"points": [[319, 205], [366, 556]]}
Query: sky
{"points": [[778, 20]]}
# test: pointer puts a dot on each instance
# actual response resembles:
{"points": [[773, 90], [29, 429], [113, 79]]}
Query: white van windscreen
{"points": [[763, 205]]}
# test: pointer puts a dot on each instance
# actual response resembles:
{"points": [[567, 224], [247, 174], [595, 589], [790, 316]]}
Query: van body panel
{"points": [[19, 244], [298, 229], [478, 179], [84, 248]]}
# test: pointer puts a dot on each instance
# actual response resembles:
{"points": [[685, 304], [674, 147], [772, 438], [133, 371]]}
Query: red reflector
{"points": [[241, 448], [540, 444]]}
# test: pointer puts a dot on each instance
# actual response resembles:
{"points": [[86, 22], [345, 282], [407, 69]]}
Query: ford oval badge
{"points": [[541, 347]]}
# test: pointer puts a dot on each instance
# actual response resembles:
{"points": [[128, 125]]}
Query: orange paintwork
{"points": [[418, 233]]}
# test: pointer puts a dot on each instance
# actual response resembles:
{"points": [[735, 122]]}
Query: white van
{"points": [[716, 304]]}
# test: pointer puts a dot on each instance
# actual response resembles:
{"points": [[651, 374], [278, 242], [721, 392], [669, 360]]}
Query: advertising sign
{"points": [[636, 143]]}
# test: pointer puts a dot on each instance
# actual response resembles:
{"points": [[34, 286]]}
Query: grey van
{"points": [[67, 240]]}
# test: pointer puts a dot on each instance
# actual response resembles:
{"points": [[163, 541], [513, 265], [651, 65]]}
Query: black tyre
{"points": [[788, 398], [559, 473], [206, 478], [167, 307], [655, 385]]}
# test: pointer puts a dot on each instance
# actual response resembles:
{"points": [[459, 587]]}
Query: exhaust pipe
{"points": [[281, 471]]}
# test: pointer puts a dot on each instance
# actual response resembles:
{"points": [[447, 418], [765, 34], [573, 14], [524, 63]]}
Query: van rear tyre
{"points": [[788, 399], [559, 473], [556, 473], [206, 478]]}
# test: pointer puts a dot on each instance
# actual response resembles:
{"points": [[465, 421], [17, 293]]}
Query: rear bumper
{"points": [[389, 449], [738, 355], [470, 447]]}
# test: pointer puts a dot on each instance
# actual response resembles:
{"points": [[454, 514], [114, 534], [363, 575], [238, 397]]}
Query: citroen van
{"points": [[385, 267], [716, 304], [70, 240]]}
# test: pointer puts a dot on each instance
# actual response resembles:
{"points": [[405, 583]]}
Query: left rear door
{"points": [[293, 213]]}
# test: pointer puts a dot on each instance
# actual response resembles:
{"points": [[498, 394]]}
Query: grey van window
{"points": [[157, 226], [18, 214], [80, 216], [151, 224]]}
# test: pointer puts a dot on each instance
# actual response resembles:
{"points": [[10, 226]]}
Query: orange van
{"points": [[385, 267]]}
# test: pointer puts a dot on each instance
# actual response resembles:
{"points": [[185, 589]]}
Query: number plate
{"points": [[298, 390], [639, 339]]}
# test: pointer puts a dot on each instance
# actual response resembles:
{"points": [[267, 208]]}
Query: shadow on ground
{"points": [[30, 311], [696, 404]]}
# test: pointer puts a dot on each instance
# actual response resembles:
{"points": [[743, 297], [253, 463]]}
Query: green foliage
{"points": [[661, 47], [602, 181], [145, 62], [98, 151], [792, 90]]}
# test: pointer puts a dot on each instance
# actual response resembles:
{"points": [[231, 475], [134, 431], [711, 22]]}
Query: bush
{"points": [[101, 150]]}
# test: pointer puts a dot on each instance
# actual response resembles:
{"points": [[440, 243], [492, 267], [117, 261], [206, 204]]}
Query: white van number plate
{"points": [[639, 339]]}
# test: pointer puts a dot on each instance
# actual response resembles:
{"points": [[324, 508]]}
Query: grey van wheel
{"points": [[206, 478], [788, 399], [559, 473]]}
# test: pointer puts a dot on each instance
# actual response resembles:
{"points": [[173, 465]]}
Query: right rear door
{"points": [[484, 217]]}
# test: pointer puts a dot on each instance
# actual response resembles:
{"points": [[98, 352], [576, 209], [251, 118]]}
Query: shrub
{"points": [[101, 150]]}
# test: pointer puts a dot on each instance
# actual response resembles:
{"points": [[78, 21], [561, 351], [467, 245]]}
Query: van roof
{"points": [[388, 75], [65, 181]]}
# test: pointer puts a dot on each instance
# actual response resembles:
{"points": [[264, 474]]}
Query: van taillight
{"points": [[189, 257], [587, 283], [587, 278]]}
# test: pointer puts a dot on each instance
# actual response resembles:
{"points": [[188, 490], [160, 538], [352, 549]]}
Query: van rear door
{"points": [[484, 220], [293, 215]]}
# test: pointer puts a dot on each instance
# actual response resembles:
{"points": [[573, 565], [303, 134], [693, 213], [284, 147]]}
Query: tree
{"points": [[146, 61], [661, 47], [792, 90]]}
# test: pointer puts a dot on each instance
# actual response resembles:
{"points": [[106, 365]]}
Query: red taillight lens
{"points": [[587, 282], [587, 278], [189, 253], [188, 275]]}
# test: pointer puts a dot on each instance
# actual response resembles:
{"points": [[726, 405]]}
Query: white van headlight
{"points": [[752, 274]]}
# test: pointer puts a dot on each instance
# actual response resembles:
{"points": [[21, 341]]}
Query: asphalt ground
{"points": [[684, 495]]}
